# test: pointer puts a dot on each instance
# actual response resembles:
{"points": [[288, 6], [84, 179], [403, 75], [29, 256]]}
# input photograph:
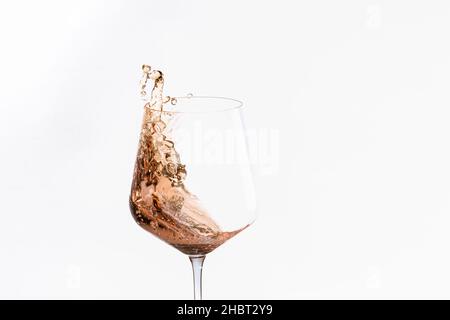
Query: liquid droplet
{"points": [[159, 126], [189, 95], [173, 101], [155, 74], [153, 225]]}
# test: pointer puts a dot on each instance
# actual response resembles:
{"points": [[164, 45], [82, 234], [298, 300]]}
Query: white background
{"points": [[354, 195]]}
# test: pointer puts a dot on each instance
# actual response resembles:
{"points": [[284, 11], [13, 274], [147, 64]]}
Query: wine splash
{"points": [[159, 201]]}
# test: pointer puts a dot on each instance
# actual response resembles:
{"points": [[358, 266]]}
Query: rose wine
{"points": [[159, 201]]}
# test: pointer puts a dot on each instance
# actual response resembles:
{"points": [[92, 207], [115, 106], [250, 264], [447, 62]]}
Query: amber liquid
{"points": [[159, 201]]}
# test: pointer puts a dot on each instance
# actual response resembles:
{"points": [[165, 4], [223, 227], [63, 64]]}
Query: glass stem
{"points": [[197, 266]]}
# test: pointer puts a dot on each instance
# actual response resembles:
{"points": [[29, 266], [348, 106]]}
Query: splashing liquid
{"points": [[159, 201]]}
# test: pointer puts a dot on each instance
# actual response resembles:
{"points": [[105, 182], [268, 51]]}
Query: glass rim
{"points": [[234, 104]]}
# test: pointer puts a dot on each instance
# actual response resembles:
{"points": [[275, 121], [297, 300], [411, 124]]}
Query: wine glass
{"points": [[192, 184]]}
